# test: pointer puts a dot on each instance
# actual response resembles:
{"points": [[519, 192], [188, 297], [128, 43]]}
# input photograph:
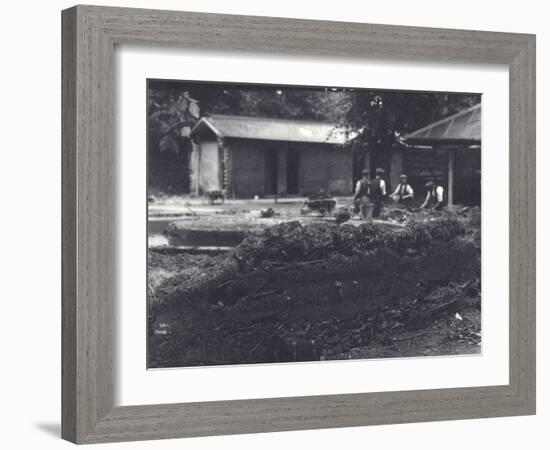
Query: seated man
{"points": [[404, 193], [434, 196]]}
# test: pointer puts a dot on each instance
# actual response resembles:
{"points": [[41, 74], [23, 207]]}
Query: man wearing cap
{"points": [[362, 192], [404, 192], [377, 192], [434, 196]]}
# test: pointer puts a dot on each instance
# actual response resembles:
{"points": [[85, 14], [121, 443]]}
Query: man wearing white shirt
{"points": [[434, 196], [404, 193]]}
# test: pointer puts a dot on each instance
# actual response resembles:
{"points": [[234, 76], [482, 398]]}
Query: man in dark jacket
{"points": [[377, 192], [361, 197]]}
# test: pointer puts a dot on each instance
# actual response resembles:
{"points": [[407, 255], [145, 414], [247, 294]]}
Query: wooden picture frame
{"points": [[90, 34]]}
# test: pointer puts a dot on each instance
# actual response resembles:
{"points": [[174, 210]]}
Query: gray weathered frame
{"points": [[89, 36]]}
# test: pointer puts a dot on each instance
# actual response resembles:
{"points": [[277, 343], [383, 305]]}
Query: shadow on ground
{"points": [[53, 429]]}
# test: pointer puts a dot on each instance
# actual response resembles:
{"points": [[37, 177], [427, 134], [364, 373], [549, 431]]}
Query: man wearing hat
{"points": [[434, 196], [404, 192], [362, 192], [377, 192]]}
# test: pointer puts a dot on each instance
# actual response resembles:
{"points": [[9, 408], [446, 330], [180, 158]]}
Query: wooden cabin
{"points": [[252, 156]]}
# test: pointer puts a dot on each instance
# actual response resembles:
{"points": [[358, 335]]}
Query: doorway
{"points": [[272, 172], [292, 172]]}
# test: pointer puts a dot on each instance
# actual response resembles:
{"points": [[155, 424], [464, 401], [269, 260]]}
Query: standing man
{"points": [[434, 196], [377, 192], [404, 192], [361, 197]]}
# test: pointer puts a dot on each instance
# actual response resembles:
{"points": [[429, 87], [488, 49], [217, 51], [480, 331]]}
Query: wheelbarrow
{"points": [[215, 195], [323, 206]]}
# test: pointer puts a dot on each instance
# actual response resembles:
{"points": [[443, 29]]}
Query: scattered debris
{"points": [[340, 288], [342, 214], [162, 332], [397, 215], [269, 212]]}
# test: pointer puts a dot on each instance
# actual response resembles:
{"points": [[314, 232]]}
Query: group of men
{"points": [[373, 192]]}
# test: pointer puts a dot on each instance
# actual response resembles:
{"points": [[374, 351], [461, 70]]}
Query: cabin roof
{"points": [[462, 128], [273, 129]]}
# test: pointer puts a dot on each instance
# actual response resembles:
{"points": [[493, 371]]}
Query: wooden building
{"points": [[249, 156], [449, 152]]}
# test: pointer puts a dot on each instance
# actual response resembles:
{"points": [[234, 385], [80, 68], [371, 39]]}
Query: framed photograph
{"points": [[278, 224]]}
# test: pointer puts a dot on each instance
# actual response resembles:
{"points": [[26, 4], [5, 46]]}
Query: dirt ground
{"points": [[302, 290]]}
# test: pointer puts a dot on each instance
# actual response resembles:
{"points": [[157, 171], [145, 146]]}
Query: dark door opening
{"points": [[292, 172], [168, 172], [272, 172]]}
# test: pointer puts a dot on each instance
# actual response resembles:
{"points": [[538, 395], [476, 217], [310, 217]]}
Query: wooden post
{"points": [[227, 182], [366, 162], [396, 168], [230, 170], [195, 168], [281, 167], [451, 176]]}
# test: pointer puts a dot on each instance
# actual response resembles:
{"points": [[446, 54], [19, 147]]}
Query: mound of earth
{"points": [[320, 291]]}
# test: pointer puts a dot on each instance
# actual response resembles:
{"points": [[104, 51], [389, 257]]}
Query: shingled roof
{"points": [[461, 128], [273, 129]]}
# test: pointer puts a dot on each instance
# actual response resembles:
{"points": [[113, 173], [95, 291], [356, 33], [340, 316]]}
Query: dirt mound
{"points": [[445, 241], [324, 289], [293, 241]]}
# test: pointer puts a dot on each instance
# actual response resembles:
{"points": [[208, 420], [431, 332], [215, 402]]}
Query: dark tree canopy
{"points": [[381, 115]]}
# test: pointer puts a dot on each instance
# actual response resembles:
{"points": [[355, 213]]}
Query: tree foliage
{"points": [[383, 116], [380, 116]]}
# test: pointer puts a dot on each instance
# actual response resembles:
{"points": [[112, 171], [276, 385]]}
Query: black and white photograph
{"points": [[260, 225], [290, 224]]}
